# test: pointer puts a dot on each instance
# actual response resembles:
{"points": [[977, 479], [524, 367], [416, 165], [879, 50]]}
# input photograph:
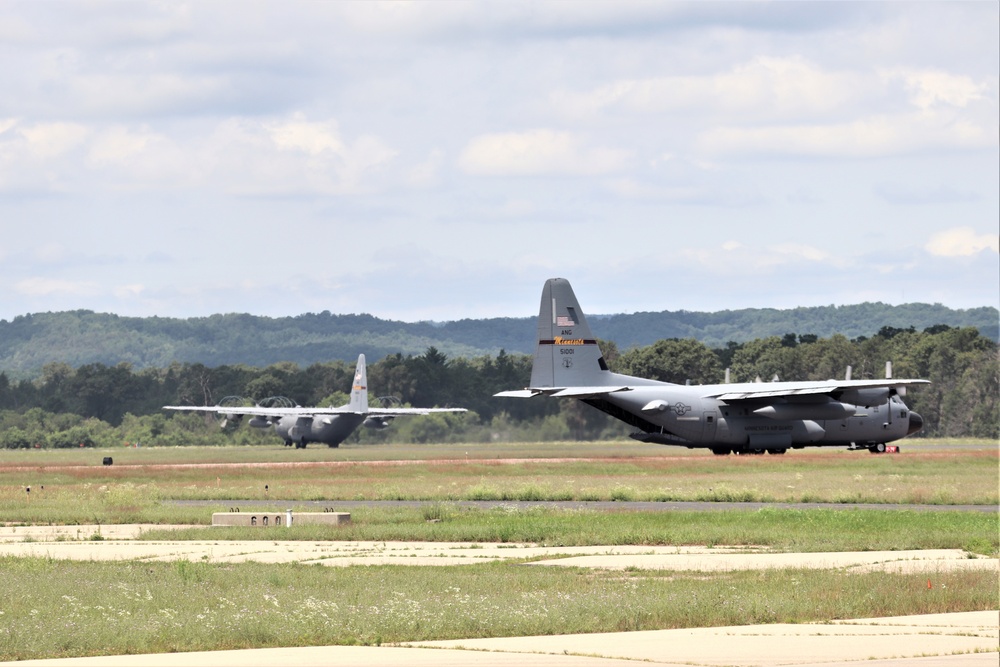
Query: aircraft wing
{"points": [[400, 412], [562, 392], [306, 412], [258, 411], [765, 390]]}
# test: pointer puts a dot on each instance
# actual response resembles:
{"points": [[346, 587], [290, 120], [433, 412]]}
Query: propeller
{"points": [[227, 421], [277, 402]]}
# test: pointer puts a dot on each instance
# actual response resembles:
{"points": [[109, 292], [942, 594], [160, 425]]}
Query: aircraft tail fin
{"points": [[567, 354], [359, 389]]}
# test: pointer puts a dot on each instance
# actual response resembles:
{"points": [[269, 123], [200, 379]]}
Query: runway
{"points": [[595, 505]]}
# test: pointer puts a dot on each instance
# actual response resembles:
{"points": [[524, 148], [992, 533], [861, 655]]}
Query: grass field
{"points": [[64, 608], [608, 471], [60, 608]]}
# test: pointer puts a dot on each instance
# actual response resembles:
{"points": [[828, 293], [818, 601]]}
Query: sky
{"points": [[440, 160]]}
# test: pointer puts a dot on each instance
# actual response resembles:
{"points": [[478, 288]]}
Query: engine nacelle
{"points": [[377, 422], [259, 422], [867, 397], [829, 410]]}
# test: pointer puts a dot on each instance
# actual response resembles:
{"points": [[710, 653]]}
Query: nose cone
{"points": [[916, 423]]}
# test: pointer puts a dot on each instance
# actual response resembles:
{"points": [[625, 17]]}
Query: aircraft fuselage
{"points": [[682, 415], [330, 430]]}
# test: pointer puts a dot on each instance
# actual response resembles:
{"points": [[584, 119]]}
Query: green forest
{"points": [[97, 404], [79, 338]]}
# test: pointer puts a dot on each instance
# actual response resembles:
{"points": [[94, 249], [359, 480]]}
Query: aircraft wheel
{"points": [[756, 452], [877, 449], [721, 451], [776, 451]]}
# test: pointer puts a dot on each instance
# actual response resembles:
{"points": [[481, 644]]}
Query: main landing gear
{"points": [[875, 448], [725, 451]]}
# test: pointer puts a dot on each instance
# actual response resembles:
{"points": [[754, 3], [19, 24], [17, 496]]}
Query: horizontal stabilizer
{"points": [[518, 393], [586, 392]]}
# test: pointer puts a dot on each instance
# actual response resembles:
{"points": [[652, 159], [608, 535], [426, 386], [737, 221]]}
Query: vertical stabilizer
{"points": [[567, 354], [359, 390]]}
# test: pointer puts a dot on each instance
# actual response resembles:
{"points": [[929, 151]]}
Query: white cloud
{"points": [[735, 257], [312, 138], [764, 87], [120, 145], [49, 140], [873, 136], [962, 242], [932, 87], [793, 106], [427, 172], [537, 152], [54, 287], [129, 291], [291, 156]]}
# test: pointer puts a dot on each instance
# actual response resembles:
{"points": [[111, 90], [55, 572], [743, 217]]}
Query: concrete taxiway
{"points": [[126, 543], [968, 639], [941, 640]]}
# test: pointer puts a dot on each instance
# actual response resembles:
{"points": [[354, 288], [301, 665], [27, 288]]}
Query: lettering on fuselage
{"points": [[770, 428]]}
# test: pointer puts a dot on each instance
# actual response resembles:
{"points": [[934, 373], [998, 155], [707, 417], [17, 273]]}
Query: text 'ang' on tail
{"points": [[359, 388], [567, 354]]}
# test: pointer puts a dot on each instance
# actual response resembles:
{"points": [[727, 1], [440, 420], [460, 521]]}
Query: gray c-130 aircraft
{"points": [[299, 426], [753, 417]]}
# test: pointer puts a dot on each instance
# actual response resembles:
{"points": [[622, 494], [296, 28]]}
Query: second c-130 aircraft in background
{"points": [[330, 426], [753, 417]]}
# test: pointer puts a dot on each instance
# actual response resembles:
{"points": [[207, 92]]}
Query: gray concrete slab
{"points": [[117, 546], [903, 638], [967, 639], [77, 532], [931, 560]]}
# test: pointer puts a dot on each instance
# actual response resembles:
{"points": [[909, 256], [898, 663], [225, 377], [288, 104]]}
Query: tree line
{"points": [[82, 337], [111, 405]]}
